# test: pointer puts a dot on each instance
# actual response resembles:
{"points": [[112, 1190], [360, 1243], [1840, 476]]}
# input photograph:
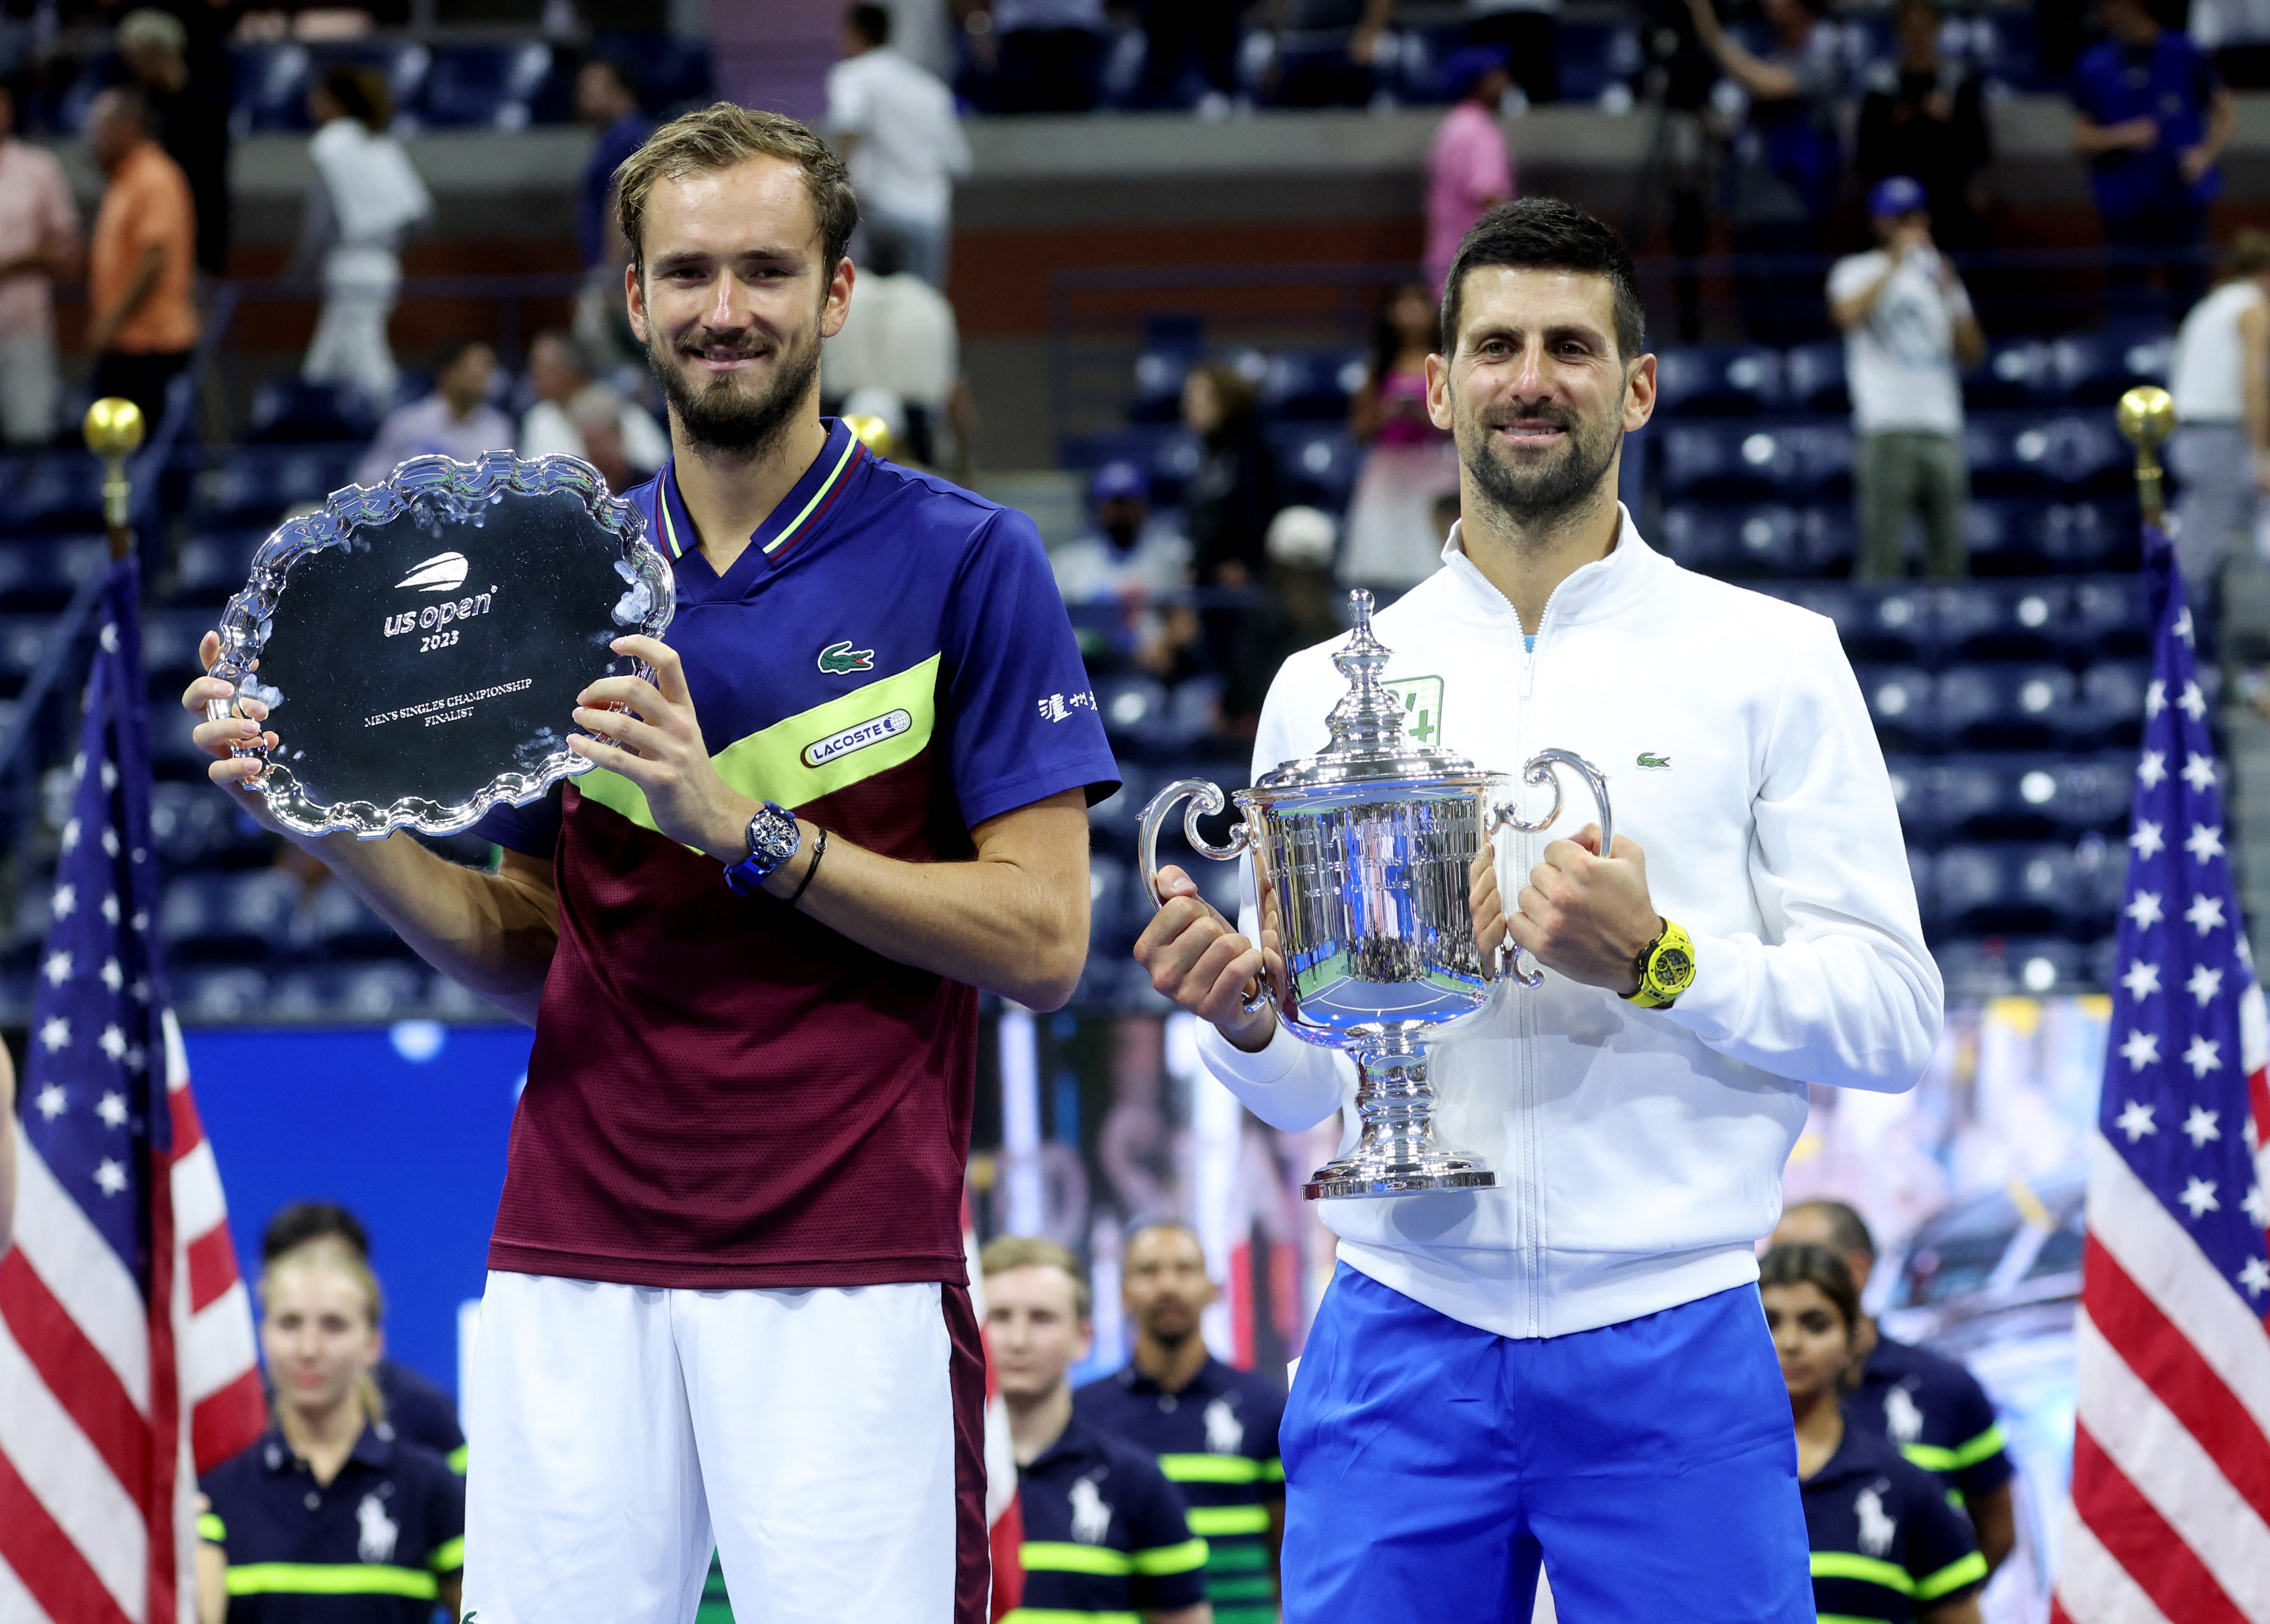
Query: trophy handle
{"points": [[1206, 799], [1539, 770]]}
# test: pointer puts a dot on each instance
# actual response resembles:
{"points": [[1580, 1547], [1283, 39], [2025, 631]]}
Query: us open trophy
{"points": [[1361, 858], [420, 642]]}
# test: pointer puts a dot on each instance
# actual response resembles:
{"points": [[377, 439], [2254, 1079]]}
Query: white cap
{"points": [[1303, 537]]}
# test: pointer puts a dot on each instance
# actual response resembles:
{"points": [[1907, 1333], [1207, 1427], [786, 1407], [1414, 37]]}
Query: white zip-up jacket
{"points": [[1639, 1152]]}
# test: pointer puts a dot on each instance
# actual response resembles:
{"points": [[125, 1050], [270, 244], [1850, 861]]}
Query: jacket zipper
{"points": [[1526, 1043]]}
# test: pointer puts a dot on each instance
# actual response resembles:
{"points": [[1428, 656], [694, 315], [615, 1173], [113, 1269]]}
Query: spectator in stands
{"points": [[1300, 608], [1212, 1428], [1925, 117], [560, 379], [2154, 119], [1130, 557], [895, 125], [141, 322], [1931, 1408], [363, 197], [456, 420], [190, 113], [900, 338], [39, 245], [1228, 501], [415, 1408], [1104, 1532], [1529, 32], [607, 100], [1885, 1543], [1782, 164], [2220, 451], [1326, 49], [1392, 544], [1178, 34], [333, 1516], [1907, 323], [1469, 171], [1041, 55]]}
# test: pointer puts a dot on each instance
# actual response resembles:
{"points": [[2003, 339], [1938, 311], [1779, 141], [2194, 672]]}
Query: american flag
{"points": [[2171, 1518], [126, 1350], [1004, 1525]]}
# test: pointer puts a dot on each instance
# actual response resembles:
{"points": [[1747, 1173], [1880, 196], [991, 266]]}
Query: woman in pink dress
{"points": [[1393, 542]]}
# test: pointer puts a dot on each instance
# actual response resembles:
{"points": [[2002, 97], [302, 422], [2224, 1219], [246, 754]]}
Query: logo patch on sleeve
{"points": [[842, 659]]}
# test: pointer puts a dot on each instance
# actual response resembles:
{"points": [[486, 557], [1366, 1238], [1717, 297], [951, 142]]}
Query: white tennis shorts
{"points": [[828, 1443]]}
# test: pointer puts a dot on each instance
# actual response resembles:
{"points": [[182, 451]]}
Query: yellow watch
{"points": [[1665, 968]]}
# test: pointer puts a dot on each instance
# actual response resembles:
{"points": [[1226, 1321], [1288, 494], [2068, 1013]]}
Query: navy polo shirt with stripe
{"points": [[1935, 1413], [1887, 1548], [888, 656], [1106, 1537], [371, 1546], [1215, 1440]]}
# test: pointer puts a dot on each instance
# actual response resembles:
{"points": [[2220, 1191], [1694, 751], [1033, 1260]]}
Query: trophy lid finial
{"points": [[1367, 717]]}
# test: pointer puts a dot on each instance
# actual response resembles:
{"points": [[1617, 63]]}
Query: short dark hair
{"points": [[303, 1221], [1544, 234], [871, 23], [1848, 1231], [361, 94], [720, 136], [1801, 1262], [132, 105], [615, 68]]}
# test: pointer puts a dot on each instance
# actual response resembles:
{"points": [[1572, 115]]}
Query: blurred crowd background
{"points": [[1162, 273]]}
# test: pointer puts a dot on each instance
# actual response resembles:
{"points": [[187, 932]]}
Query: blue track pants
{"points": [[1650, 1464]]}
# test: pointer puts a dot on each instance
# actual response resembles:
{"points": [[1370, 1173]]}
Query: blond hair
{"points": [[329, 1252], [1005, 1252], [723, 136], [2249, 252]]}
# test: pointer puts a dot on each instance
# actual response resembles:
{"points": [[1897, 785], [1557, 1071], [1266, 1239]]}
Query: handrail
{"points": [[180, 401]]}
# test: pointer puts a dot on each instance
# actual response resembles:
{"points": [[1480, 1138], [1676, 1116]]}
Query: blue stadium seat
{"points": [[1904, 703], [51, 491], [2008, 454], [2111, 707], [1740, 379], [1115, 817], [2029, 795], [1976, 968], [2018, 374], [1735, 540], [2084, 535], [1316, 466], [336, 923], [1996, 620], [24, 641], [1596, 54], [189, 821], [2004, 533], [673, 71], [2004, 706], [1132, 707], [1923, 873], [1814, 377], [490, 86], [1897, 623], [37, 574], [220, 996], [294, 412], [1733, 462], [271, 90], [1311, 386], [2095, 369], [1829, 537], [214, 567], [1159, 374], [169, 643], [2016, 887], [228, 916], [259, 484], [2109, 616]]}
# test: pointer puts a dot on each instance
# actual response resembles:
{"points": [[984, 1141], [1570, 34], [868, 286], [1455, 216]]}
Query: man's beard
{"points": [[1553, 488], [720, 415]]}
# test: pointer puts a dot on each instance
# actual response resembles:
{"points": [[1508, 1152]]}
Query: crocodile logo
{"points": [[842, 659], [1649, 758]]}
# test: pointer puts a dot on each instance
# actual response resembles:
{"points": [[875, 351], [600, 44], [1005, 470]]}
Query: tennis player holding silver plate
{"points": [[420, 644]]}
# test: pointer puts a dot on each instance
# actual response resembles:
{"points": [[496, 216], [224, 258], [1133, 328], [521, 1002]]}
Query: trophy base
{"points": [[1342, 1180]]}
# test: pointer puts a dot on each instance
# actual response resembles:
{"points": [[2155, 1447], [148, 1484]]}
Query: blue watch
{"points": [[774, 838]]}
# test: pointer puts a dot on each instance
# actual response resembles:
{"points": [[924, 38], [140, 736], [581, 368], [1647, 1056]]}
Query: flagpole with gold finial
{"points": [[114, 433], [2148, 417]]}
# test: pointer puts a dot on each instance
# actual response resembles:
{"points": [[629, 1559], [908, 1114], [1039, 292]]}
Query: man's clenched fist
{"points": [[1582, 915]]}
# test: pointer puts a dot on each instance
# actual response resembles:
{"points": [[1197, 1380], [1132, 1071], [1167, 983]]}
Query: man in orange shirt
{"points": [[143, 323]]}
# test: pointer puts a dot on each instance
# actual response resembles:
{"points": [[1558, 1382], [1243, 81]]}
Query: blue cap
{"points": [[1898, 194], [1462, 69], [1116, 480]]}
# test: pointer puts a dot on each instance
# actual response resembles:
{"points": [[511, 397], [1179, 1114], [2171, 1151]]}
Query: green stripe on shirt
{"points": [[1166, 1558], [1068, 1615], [457, 1458], [211, 1528], [1061, 1556], [448, 1557], [331, 1579], [1867, 1569], [1211, 1468], [1213, 1522], [1931, 1457], [1971, 1570]]}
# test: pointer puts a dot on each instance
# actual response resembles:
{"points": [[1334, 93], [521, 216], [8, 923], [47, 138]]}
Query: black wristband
{"points": [[818, 850]]}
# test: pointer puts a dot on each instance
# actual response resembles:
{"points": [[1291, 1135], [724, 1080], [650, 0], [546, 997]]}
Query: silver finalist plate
{"points": [[421, 642]]}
